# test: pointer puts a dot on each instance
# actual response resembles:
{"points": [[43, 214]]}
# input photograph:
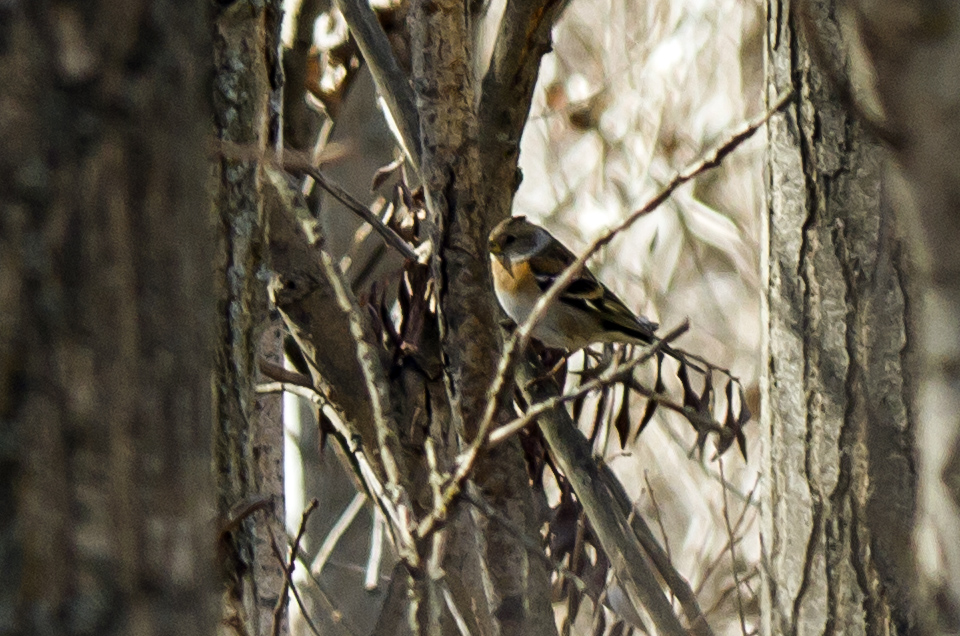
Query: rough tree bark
{"points": [[105, 345], [840, 476], [249, 433], [907, 88]]}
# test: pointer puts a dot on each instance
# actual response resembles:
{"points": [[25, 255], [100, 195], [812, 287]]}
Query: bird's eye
{"points": [[510, 240]]}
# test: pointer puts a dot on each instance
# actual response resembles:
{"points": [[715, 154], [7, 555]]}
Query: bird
{"points": [[526, 260]]}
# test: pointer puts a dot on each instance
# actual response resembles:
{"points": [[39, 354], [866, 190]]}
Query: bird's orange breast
{"points": [[518, 279]]}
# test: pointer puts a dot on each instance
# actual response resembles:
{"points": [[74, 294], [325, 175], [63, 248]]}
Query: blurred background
{"points": [[632, 93]]}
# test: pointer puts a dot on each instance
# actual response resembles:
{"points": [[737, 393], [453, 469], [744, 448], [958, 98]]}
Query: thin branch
{"points": [[454, 610], [733, 555], [243, 510], [390, 79], [330, 541], [371, 578], [337, 616], [281, 605], [282, 375], [368, 479], [297, 162], [707, 571], [303, 610]]}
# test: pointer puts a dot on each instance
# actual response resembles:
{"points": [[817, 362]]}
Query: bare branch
{"points": [[288, 566], [280, 374], [613, 531], [390, 79], [296, 162], [341, 525], [507, 92], [373, 372]]}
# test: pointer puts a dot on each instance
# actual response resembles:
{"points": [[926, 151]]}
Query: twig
{"points": [[367, 476], [281, 605], [733, 554], [303, 610], [371, 578], [707, 572], [656, 508], [330, 541], [336, 615], [297, 162], [243, 510], [280, 374], [454, 610], [390, 79]]}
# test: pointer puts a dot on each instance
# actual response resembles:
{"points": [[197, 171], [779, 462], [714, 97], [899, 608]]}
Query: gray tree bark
{"points": [[838, 514], [248, 444], [105, 340]]}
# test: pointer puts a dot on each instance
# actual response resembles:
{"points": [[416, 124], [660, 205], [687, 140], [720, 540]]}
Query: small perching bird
{"points": [[526, 260]]}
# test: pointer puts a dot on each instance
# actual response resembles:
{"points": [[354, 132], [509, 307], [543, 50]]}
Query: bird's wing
{"points": [[588, 294]]}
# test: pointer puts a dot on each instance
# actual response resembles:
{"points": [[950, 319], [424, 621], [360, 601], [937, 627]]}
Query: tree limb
{"points": [[574, 457], [389, 78]]}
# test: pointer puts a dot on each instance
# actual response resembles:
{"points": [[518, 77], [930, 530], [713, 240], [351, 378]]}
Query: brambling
{"points": [[526, 259]]}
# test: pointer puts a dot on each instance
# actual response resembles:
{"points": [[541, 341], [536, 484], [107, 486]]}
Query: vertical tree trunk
{"points": [[840, 497], [104, 320], [249, 435], [909, 72]]}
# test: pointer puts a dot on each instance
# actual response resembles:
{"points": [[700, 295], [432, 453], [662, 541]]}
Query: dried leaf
{"points": [[563, 526], [622, 421], [648, 412], [326, 428], [690, 397], [598, 415], [706, 397]]}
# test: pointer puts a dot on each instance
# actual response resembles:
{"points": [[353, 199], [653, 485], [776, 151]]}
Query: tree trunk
{"points": [[907, 78], [840, 477], [249, 440], [105, 320]]}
